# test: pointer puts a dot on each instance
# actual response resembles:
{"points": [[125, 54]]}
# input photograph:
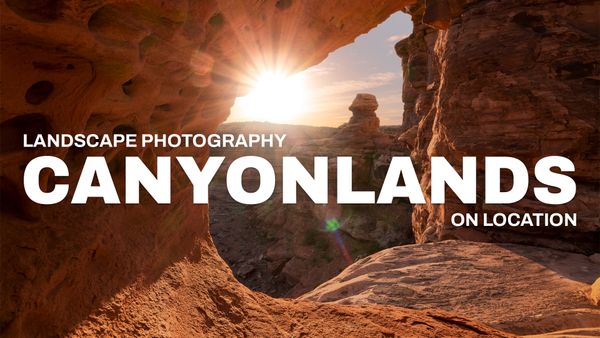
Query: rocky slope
{"points": [[516, 288], [243, 240]]}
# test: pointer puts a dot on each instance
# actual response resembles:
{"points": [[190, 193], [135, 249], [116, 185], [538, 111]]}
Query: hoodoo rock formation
{"points": [[364, 119]]}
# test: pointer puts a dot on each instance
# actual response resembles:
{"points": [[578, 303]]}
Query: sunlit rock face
{"points": [[486, 281], [151, 66], [506, 79]]}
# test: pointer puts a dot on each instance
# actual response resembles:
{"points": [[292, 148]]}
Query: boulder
{"points": [[516, 288]]}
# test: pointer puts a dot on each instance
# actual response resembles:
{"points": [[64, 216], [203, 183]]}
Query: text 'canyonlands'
{"points": [[401, 169]]}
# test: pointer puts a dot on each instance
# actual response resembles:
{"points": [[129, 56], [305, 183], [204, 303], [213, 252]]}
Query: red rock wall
{"points": [[507, 78]]}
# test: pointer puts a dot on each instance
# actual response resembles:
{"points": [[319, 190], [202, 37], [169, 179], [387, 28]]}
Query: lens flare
{"points": [[333, 226]]}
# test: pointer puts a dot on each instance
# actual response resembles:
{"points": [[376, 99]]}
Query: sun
{"points": [[274, 97]]}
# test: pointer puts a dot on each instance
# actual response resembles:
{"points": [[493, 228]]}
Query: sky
{"points": [[321, 94]]}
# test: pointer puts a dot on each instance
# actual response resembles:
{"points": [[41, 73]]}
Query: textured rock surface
{"points": [[199, 297], [517, 288], [506, 79], [595, 292]]}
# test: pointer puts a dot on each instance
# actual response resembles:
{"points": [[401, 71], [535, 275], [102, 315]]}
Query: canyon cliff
{"points": [[505, 78]]}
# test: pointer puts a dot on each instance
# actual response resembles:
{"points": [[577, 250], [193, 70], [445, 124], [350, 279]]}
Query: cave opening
{"points": [[495, 77], [287, 250]]}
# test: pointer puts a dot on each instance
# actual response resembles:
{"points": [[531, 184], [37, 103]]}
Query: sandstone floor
{"points": [[517, 288]]}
